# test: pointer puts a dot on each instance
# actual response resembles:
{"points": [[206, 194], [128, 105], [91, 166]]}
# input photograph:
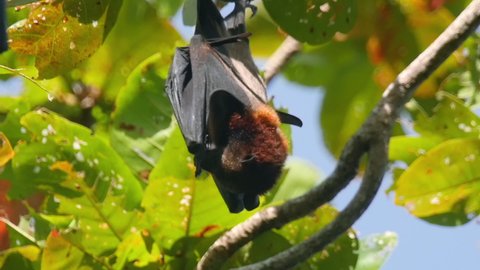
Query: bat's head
{"points": [[256, 150]]}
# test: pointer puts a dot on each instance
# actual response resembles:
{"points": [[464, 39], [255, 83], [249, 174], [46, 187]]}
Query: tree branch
{"points": [[280, 57], [371, 139]]}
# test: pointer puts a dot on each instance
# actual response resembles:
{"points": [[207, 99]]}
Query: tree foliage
{"points": [[95, 173]]}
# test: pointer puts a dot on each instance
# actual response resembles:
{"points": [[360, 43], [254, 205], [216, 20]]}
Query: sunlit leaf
{"points": [[134, 251], [61, 150], [445, 180], [314, 21], [450, 119], [48, 27], [266, 37], [375, 250], [19, 257], [166, 8], [407, 148], [6, 151], [179, 205], [59, 254]]}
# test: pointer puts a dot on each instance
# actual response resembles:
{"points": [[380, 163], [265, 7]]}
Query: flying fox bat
{"points": [[220, 103]]}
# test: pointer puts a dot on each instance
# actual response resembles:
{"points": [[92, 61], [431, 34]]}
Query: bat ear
{"points": [[289, 119]]}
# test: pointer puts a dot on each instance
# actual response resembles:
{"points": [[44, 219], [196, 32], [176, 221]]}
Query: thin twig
{"points": [[280, 57], [372, 138]]}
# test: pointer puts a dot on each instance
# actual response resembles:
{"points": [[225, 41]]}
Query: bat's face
{"points": [[255, 152]]}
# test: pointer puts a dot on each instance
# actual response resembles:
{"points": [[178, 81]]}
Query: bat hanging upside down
{"points": [[220, 103]]}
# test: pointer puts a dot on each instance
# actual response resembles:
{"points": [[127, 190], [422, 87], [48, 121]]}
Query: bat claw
{"points": [[253, 8]]}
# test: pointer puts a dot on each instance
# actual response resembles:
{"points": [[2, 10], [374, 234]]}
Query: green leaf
{"points": [[63, 156], [60, 254], [450, 119], [49, 26], [6, 151], [407, 148], [14, 3], [266, 245], [341, 254], [312, 21], [143, 115], [86, 11], [11, 123], [109, 68], [265, 37], [348, 101], [98, 228], [299, 177], [134, 251], [19, 258], [177, 205], [166, 8], [446, 180], [375, 250]]}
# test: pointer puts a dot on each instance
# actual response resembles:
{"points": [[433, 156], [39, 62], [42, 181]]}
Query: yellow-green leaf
{"points": [[446, 180], [57, 40], [6, 151]]}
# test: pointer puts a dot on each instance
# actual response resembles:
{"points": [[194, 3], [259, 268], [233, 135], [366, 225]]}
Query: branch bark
{"points": [[280, 57], [372, 139]]}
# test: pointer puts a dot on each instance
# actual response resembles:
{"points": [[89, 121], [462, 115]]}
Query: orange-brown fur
{"points": [[256, 150], [263, 138]]}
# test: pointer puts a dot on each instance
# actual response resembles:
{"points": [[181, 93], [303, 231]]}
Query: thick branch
{"points": [[371, 138], [280, 57]]}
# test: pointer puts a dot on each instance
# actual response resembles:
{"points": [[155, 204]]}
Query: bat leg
{"points": [[253, 8], [251, 201], [235, 202]]}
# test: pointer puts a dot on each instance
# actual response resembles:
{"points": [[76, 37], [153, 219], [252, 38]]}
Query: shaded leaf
{"points": [[142, 116], [299, 177], [86, 11], [314, 21], [340, 254], [109, 68], [14, 3]]}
